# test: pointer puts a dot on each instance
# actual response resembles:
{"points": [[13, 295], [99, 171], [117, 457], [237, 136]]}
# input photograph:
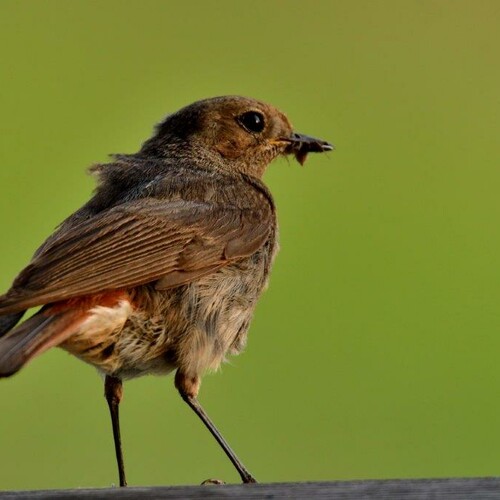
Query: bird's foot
{"points": [[248, 479], [212, 481]]}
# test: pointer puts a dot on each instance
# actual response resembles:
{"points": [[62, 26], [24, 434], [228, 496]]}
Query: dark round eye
{"points": [[252, 121]]}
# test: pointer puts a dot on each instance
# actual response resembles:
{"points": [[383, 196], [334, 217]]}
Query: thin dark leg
{"points": [[197, 408], [113, 391]]}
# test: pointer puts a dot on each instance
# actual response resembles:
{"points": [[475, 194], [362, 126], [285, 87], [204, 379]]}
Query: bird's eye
{"points": [[252, 121]]}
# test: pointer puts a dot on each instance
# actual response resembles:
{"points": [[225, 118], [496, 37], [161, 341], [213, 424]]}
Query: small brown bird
{"points": [[161, 270]]}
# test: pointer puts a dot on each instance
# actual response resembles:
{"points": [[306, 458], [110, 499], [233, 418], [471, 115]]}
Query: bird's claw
{"points": [[212, 481]]}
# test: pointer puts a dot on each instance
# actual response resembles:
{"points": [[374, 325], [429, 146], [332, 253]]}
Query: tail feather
{"points": [[9, 321], [11, 303], [34, 336]]}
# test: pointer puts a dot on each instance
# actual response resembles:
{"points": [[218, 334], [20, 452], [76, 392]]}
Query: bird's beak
{"points": [[300, 145]]}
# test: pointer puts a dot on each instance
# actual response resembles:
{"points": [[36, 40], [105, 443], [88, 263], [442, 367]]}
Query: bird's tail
{"points": [[9, 321], [34, 336]]}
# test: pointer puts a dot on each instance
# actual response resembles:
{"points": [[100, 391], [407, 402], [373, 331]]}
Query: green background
{"points": [[374, 353]]}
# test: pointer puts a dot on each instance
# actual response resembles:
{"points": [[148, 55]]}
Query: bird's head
{"points": [[238, 133]]}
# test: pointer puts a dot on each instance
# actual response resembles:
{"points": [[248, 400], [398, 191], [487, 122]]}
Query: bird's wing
{"points": [[137, 243]]}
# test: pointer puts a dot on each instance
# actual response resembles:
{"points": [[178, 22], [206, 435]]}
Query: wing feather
{"points": [[137, 243]]}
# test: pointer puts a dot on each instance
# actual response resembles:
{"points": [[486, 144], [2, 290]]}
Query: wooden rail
{"points": [[405, 489]]}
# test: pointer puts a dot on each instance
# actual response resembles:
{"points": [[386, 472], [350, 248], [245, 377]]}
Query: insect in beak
{"points": [[301, 145]]}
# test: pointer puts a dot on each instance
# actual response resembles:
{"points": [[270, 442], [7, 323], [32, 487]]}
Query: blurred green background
{"points": [[375, 351]]}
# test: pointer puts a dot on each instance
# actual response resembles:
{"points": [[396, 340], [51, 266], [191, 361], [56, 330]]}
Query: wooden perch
{"points": [[411, 489]]}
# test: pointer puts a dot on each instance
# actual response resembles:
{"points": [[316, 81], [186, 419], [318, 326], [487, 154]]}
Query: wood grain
{"points": [[408, 489]]}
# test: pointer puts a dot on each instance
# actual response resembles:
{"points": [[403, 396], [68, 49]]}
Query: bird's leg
{"points": [[188, 388], [113, 390]]}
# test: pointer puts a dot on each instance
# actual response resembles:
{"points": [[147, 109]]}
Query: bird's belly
{"points": [[193, 327]]}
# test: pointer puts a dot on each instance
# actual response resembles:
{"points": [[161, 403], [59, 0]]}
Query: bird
{"points": [[160, 271]]}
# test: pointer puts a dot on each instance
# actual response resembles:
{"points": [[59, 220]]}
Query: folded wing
{"points": [[137, 243]]}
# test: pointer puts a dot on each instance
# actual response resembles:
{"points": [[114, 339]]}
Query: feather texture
{"points": [[136, 243]]}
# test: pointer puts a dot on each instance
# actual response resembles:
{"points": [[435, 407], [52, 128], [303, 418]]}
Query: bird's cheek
{"points": [[229, 149]]}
